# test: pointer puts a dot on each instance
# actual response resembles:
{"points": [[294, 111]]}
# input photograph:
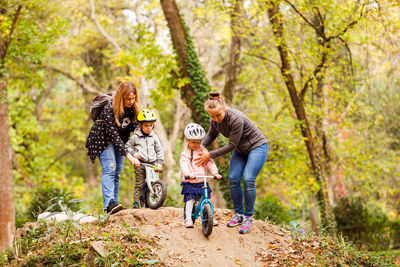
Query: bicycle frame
{"points": [[204, 199], [151, 175]]}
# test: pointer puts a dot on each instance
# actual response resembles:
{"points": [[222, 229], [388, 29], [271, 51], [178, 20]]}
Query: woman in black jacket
{"points": [[107, 140]]}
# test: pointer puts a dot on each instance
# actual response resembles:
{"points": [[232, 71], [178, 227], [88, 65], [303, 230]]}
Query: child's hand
{"points": [[136, 163], [136, 155], [158, 167], [218, 176]]}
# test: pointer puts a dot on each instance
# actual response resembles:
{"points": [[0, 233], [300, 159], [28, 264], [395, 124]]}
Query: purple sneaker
{"points": [[246, 224], [235, 220]]}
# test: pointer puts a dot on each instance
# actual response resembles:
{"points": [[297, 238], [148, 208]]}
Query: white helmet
{"points": [[194, 131]]}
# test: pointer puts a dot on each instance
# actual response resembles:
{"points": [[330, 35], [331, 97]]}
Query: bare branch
{"points": [[301, 15], [263, 58], [88, 88], [362, 88], [350, 54], [4, 46], [348, 26], [102, 31], [317, 70]]}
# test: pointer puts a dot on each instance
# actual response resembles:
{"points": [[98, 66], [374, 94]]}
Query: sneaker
{"points": [[246, 224], [235, 220], [188, 223], [113, 207], [135, 205], [215, 222]]}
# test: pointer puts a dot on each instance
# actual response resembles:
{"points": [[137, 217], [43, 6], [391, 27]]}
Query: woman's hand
{"points": [[218, 176], [135, 162], [204, 157]]}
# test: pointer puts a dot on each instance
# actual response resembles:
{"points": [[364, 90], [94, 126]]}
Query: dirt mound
{"points": [[264, 245]]}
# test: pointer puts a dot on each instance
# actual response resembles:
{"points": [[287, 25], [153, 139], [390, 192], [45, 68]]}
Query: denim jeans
{"points": [[246, 167], [111, 165]]}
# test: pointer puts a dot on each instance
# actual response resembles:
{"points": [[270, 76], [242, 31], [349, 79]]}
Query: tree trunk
{"points": [[7, 222], [275, 17], [195, 93], [7, 218], [236, 46]]}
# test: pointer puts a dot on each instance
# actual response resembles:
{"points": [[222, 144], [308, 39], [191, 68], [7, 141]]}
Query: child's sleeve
{"points": [[184, 163], [159, 150], [130, 145]]}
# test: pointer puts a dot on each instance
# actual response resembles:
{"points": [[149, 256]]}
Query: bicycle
{"points": [[203, 207], [155, 191]]}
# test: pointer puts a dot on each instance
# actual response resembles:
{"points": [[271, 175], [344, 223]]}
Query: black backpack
{"points": [[98, 103]]}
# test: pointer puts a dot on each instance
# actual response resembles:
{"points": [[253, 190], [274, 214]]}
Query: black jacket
{"points": [[105, 131]]}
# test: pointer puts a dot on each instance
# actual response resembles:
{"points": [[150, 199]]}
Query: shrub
{"points": [[40, 201], [364, 223], [272, 208]]}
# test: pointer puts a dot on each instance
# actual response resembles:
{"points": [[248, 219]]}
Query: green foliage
{"points": [[42, 199], [198, 81], [365, 223], [43, 244], [271, 208]]}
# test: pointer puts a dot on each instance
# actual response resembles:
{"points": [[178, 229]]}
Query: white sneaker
{"points": [[215, 222], [188, 223]]}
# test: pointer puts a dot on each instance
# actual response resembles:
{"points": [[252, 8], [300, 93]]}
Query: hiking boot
{"points": [[246, 224], [135, 205], [235, 220], [113, 207], [188, 223]]}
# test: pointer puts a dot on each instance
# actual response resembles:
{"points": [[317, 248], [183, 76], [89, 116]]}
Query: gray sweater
{"points": [[242, 133], [148, 147]]}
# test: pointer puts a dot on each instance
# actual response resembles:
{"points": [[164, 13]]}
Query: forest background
{"points": [[333, 62]]}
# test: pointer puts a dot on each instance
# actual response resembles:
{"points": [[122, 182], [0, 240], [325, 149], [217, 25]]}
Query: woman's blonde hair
{"points": [[122, 92], [216, 100]]}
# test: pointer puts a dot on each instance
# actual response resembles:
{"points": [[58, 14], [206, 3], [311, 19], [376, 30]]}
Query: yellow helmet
{"points": [[146, 115]]}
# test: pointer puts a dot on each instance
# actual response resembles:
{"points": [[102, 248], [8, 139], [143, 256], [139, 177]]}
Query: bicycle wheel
{"points": [[160, 193], [207, 222]]}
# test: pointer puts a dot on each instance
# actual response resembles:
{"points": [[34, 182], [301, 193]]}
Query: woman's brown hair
{"points": [[122, 92], [215, 100]]}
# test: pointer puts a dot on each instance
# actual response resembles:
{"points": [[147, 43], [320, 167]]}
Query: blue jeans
{"points": [[246, 167], [111, 165]]}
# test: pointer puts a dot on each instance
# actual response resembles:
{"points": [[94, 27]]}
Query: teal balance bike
{"points": [[203, 208]]}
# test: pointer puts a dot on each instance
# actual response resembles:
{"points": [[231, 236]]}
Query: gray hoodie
{"points": [[148, 147]]}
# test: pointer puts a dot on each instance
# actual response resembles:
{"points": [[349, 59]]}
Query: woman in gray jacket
{"points": [[250, 150]]}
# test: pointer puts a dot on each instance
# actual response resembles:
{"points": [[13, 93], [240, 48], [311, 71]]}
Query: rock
{"points": [[61, 216], [100, 247]]}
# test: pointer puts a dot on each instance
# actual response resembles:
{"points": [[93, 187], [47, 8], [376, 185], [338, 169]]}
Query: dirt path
{"points": [[264, 245]]}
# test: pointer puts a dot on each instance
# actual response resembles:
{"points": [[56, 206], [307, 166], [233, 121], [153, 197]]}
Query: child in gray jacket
{"points": [[145, 146]]}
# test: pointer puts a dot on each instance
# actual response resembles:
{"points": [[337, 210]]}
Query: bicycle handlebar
{"points": [[150, 165]]}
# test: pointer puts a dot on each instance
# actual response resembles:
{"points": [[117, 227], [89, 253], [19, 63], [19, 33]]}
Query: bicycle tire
{"points": [[157, 199], [207, 220]]}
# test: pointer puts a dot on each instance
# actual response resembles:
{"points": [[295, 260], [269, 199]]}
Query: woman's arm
{"points": [[210, 136]]}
